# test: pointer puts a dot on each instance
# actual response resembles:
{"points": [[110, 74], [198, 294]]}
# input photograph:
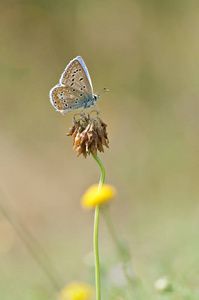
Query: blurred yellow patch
{"points": [[93, 196], [77, 291]]}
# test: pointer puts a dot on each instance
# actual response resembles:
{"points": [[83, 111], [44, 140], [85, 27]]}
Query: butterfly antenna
{"points": [[101, 91]]}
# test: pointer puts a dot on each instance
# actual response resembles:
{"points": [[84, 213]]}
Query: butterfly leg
{"points": [[81, 114], [94, 104], [97, 111], [90, 111]]}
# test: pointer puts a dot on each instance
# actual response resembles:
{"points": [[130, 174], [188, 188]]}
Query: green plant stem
{"points": [[96, 253], [96, 231], [102, 178]]}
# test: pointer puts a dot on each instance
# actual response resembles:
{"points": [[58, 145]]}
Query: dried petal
{"points": [[71, 130], [74, 135], [81, 149], [93, 148], [100, 146], [84, 154], [87, 147], [90, 136]]}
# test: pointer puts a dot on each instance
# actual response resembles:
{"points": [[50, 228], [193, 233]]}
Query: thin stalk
{"points": [[96, 231], [96, 253], [32, 245], [121, 246], [102, 178]]}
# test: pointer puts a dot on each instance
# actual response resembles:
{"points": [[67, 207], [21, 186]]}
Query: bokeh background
{"points": [[147, 53]]}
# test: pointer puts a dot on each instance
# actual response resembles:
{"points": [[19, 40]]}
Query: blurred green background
{"points": [[147, 54]]}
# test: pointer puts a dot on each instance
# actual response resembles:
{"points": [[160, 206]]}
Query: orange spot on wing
{"points": [[57, 102]]}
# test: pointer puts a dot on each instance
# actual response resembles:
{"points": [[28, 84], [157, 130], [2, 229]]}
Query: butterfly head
{"points": [[95, 97]]}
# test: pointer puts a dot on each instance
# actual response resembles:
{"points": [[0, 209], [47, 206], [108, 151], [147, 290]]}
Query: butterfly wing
{"points": [[67, 98], [76, 76]]}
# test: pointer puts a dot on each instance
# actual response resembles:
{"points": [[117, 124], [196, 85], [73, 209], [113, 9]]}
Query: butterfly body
{"points": [[75, 89]]}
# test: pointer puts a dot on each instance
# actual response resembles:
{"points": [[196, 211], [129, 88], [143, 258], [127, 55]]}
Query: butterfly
{"points": [[75, 88]]}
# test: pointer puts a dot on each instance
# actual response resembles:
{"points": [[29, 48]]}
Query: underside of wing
{"points": [[66, 99], [76, 76]]}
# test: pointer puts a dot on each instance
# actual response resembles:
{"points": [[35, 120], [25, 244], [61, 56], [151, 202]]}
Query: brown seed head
{"points": [[89, 135]]}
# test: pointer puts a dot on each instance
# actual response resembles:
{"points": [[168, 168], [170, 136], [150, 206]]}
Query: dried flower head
{"points": [[89, 135]]}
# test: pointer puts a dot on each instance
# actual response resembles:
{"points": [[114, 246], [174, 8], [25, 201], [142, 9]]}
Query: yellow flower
{"points": [[77, 291], [93, 196]]}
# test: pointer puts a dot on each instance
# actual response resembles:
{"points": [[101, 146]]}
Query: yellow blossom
{"points": [[77, 291], [94, 196]]}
